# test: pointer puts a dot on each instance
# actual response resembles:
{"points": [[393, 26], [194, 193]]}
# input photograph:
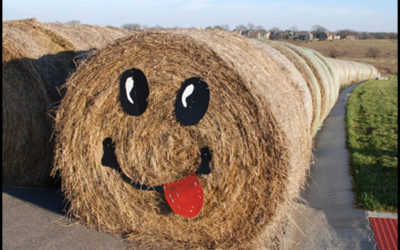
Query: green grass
{"points": [[371, 121]]}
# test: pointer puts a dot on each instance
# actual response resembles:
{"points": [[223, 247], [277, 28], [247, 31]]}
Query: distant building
{"points": [[278, 35], [288, 34], [239, 31], [275, 35], [303, 36], [321, 35], [350, 38], [252, 33], [264, 35]]}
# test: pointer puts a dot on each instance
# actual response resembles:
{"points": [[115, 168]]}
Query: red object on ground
{"points": [[185, 196], [385, 232]]}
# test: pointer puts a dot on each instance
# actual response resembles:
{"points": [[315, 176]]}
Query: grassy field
{"points": [[384, 50], [372, 132]]}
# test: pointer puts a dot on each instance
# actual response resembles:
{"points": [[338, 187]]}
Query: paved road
{"points": [[329, 219], [34, 219]]}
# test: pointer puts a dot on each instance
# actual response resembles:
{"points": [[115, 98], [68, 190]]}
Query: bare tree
{"points": [[225, 26], [259, 28], [73, 22], [250, 26], [221, 27], [241, 27], [275, 33], [294, 29], [334, 52], [275, 29], [363, 36], [316, 29], [157, 27], [131, 26]]}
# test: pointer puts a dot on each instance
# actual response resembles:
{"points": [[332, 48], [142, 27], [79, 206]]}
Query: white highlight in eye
{"points": [[187, 92], [128, 88]]}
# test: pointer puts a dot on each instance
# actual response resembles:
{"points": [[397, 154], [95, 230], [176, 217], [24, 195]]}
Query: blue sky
{"points": [[359, 15]]}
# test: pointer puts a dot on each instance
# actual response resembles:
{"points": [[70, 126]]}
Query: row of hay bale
{"points": [[37, 59], [266, 102], [352, 72], [324, 76]]}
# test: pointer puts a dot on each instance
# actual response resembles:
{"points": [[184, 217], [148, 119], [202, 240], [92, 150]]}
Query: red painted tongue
{"points": [[185, 196]]}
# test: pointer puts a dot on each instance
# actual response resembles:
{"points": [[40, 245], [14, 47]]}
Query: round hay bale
{"points": [[37, 60], [26, 128], [255, 126], [333, 77], [34, 38], [289, 66], [347, 68], [55, 47], [86, 37], [310, 78], [320, 75], [328, 82], [340, 70], [352, 72]]}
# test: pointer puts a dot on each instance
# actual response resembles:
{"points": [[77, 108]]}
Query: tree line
{"points": [[252, 30]]}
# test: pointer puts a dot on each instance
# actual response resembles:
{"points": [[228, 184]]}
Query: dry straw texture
{"points": [[37, 59], [324, 76], [259, 125], [258, 141], [26, 149], [56, 48], [303, 67]]}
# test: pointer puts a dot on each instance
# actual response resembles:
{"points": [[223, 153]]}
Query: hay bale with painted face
{"points": [[184, 139]]}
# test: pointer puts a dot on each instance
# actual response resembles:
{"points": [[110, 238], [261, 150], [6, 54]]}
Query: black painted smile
{"points": [[109, 159]]}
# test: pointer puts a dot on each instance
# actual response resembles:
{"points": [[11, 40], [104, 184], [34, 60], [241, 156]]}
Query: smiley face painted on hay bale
{"points": [[184, 196], [160, 139]]}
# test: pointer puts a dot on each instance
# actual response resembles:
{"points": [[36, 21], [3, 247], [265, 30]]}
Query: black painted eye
{"points": [[192, 101], [134, 91]]}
